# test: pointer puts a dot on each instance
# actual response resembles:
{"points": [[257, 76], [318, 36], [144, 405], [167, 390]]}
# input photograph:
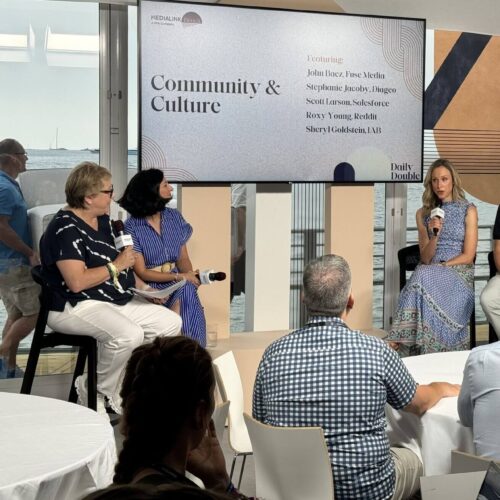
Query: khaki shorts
{"points": [[19, 292]]}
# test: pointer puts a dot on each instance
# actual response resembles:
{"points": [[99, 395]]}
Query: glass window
{"points": [[49, 59], [49, 90]]}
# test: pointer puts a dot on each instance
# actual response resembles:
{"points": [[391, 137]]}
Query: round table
{"points": [[438, 431], [52, 449]]}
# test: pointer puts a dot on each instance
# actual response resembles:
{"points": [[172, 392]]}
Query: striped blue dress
{"points": [[165, 247]]}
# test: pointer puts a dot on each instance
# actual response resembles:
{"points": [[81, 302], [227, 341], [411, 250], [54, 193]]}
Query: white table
{"points": [[51, 449], [437, 432]]}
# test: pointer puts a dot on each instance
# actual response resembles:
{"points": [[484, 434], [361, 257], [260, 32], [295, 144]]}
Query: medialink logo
{"points": [[190, 19], [169, 19]]}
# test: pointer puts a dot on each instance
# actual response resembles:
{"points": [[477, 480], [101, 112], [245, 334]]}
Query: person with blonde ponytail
{"points": [[436, 303]]}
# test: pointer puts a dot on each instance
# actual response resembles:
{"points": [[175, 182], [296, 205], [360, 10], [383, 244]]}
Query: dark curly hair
{"points": [[142, 196], [164, 382]]}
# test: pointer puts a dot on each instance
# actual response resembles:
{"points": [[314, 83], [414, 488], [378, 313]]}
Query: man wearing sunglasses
{"points": [[18, 291]]}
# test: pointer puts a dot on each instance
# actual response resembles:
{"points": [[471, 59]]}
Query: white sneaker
{"points": [[82, 392], [116, 404]]}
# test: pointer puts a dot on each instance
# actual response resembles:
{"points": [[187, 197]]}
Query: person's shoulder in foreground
{"points": [[479, 399], [483, 349], [142, 491]]}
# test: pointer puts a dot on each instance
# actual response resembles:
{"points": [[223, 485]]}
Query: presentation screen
{"points": [[239, 94]]}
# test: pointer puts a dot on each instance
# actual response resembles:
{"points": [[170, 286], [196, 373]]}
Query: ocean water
{"points": [[65, 158], [50, 159]]}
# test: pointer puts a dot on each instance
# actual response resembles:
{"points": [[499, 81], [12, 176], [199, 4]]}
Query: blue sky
{"points": [[44, 94]]}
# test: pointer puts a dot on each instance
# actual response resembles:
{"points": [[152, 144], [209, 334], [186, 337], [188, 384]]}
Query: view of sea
{"points": [[65, 158], [62, 158]]}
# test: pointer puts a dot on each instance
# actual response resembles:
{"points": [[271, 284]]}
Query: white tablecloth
{"points": [[435, 434], [51, 449]]}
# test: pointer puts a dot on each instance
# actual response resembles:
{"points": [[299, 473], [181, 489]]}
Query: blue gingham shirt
{"points": [[329, 376]]}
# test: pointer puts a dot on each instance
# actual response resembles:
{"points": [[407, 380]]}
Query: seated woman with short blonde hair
{"points": [[91, 282]]}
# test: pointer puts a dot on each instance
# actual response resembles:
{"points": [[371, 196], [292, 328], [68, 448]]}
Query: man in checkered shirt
{"points": [[329, 376]]}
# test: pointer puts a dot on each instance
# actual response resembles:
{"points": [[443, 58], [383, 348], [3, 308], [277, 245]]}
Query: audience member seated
{"points": [[168, 402], [490, 296], [148, 492], [327, 375], [160, 236], [436, 303], [91, 281], [18, 291], [479, 399]]}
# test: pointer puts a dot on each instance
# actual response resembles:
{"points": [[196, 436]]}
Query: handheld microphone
{"points": [[209, 276], [437, 212], [122, 239]]}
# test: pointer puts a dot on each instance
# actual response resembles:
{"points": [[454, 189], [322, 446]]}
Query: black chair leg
{"points": [[472, 329], [92, 376], [492, 335], [79, 369], [29, 374]]}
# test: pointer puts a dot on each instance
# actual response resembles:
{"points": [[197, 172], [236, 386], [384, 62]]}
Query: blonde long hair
{"points": [[429, 199]]}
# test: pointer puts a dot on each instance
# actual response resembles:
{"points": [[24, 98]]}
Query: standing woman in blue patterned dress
{"points": [[436, 303], [160, 236]]}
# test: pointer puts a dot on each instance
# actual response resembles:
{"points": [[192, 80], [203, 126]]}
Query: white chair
{"points": [[467, 462], [219, 416], [291, 463], [230, 388], [44, 186]]}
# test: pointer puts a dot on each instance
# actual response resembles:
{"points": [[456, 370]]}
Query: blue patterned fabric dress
{"points": [[157, 249], [436, 303]]}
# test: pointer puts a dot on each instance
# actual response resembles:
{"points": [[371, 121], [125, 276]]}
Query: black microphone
{"points": [[209, 276], [122, 239], [437, 212]]}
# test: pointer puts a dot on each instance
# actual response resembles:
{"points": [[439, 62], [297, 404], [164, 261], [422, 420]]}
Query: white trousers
{"points": [[118, 329], [490, 302]]}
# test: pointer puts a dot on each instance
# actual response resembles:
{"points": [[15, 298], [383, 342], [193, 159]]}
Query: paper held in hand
{"points": [[153, 293]]}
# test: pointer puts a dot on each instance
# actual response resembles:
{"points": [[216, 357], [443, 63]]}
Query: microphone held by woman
{"points": [[122, 239], [208, 276], [439, 213]]}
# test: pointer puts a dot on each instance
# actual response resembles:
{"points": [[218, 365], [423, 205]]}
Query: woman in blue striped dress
{"points": [[160, 235]]}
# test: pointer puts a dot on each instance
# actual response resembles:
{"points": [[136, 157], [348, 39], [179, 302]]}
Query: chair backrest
{"points": [[219, 416], [467, 462], [290, 462], [229, 383], [44, 186], [409, 258]]}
